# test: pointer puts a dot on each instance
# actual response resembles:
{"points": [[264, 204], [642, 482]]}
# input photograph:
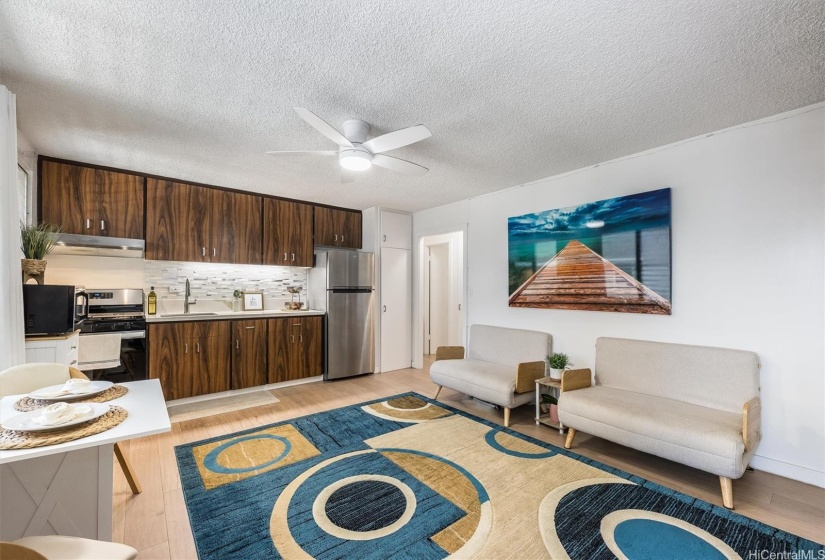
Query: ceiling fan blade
{"points": [[323, 127], [399, 165], [305, 153], [397, 139], [347, 176]]}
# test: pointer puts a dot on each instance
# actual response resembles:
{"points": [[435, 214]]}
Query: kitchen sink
{"points": [[201, 314]]}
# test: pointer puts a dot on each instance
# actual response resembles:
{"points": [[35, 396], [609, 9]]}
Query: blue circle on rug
{"points": [[211, 459], [366, 505], [646, 539]]}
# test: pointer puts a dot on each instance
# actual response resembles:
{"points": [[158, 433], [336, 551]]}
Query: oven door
{"points": [[132, 359]]}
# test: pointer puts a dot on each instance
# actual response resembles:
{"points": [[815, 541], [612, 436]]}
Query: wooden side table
{"points": [[553, 386]]}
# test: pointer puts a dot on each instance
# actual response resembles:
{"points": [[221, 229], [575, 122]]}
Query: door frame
{"points": [[418, 287]]}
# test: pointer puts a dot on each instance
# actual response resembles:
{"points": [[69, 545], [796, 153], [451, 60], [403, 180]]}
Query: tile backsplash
{"points": [[208, 281], [215, 281]]}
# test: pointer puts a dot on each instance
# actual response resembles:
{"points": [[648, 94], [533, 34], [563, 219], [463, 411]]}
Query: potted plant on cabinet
{"points": [[36, 241], [557, 363]]}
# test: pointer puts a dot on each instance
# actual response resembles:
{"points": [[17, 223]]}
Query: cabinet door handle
{"points": [[385, 308], [247, 328], [292, 338], [238, 343], [73, 347], [88, 223], [73, 362], [203, 251], [385, 238], [336, 237], [214, 252], [301, 338], [293, 257], [198, 347], [342, 238], [185, 348], [102, 225], [284, 257]]}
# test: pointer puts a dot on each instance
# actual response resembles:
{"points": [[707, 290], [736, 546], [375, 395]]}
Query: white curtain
{"points": [[12, 335]]}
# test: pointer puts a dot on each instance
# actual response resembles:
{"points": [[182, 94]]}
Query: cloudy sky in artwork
{"points": [[635, 211]]}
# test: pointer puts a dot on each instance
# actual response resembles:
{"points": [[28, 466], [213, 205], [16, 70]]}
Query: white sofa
{"points": [[696, 405], [501, 366]]}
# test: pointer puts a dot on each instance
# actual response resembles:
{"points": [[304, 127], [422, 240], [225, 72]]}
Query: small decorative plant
{"points": [[558, 360], [37, 240]]}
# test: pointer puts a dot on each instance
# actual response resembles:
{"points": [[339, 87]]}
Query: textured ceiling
{"points": [[513, 91]]}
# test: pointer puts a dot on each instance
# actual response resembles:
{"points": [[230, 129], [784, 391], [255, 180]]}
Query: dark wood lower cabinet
{"points": [[189, 358], [249, 353], [295, 349], [194, 358]]}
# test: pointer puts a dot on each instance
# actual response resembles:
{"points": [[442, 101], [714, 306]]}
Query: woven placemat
{"points": [[11, 439], [27, 404]]}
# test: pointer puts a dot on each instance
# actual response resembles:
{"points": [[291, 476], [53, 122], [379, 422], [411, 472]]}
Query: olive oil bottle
{"points": [[152, 302]]}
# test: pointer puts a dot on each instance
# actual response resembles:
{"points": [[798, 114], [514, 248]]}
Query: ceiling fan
{"points": [[356, 153]]}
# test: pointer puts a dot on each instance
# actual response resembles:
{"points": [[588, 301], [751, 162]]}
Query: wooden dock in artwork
{"points": [[579, 278]]}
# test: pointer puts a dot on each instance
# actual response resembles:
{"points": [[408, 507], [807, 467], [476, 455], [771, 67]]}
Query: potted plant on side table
{"points": [[36, 241], [557, 363]]}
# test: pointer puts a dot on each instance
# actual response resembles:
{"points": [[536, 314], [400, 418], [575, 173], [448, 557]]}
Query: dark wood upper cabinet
{"points": [[337, 228], [249, 341], [236, 228], [287, 233], [198, 224], [91, 201], [178, 221]]}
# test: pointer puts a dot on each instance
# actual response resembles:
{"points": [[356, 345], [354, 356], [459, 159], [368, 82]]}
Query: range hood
{"points": [[96, 246]]}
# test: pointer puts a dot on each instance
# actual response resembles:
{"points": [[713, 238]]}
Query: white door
{"points": [[439, 300], [396, 310]]}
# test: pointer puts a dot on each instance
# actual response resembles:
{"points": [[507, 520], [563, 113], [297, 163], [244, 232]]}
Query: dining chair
{"points": [[54, 547], [26, 378]]}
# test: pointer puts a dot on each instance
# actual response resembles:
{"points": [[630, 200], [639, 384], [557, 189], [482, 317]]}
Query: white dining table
{"points": [[66, 489]]}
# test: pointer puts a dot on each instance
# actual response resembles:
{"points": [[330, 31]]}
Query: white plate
{"points": [[88, 390], [23, 422]]}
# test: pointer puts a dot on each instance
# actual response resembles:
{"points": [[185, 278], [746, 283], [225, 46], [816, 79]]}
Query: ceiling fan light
{"points": [[355, 160]]}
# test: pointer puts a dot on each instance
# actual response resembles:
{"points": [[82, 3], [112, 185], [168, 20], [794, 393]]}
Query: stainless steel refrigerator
{"points": [[343, 285]]}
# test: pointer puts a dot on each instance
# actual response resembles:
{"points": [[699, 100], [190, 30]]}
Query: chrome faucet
{"points": [[186, 302]]}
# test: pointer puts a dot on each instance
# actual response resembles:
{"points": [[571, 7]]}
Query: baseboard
{"points": [[795, 472]]}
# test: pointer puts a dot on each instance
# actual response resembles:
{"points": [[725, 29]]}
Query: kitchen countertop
{"points": [[218, 315], [66, 336]]}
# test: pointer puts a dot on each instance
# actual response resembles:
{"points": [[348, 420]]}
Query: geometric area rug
{"points": [[408, 477]]}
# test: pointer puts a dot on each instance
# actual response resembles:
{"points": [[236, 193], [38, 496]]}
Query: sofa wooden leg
{"points": [[435, 398], [571, 433], [506, 417], [727, 491]]}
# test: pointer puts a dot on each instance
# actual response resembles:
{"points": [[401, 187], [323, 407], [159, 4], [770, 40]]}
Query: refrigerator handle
{"points": [[385, 309]]}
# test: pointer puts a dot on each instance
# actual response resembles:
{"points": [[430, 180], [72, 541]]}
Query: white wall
{"points": [[748, 265], [442, 219]]}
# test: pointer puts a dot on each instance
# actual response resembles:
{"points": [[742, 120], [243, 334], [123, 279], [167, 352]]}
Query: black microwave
{"points": [[50, 309]]}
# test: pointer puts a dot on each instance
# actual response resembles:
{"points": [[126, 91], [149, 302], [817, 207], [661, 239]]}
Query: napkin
{"points": [[61, 413], [71, 387]]}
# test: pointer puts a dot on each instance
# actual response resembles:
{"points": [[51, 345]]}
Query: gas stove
{"points": [[115, 310]]}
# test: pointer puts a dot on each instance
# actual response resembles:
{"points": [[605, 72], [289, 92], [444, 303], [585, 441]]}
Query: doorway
{"points": [[443, 291]]}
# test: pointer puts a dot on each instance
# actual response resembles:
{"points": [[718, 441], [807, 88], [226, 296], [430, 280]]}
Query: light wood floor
{"points": [[156, 523]]}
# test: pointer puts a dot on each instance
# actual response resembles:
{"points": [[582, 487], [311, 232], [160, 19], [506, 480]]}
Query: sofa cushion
{"points": [[487, 381], [718, 378], [506, 346], [666, 425]]}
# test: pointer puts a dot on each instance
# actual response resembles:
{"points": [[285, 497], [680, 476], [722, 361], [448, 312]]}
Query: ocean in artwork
{"points": [[608, 255]]}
